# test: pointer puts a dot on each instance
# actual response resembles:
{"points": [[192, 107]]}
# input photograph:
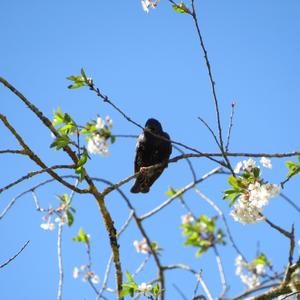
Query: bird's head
{"points": [[153, 125]]}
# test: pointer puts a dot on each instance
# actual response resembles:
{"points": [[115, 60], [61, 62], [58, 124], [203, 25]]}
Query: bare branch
{"points": [[179, 193], [13, 257], [36, 159], [108, 266], [9, 151], [34, 173], [138, 222]]}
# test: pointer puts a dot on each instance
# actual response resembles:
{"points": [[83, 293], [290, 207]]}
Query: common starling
{"points": [[150, 150]]}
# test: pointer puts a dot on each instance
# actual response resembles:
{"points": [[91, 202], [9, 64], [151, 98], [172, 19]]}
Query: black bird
{"points": [[150, 150]]}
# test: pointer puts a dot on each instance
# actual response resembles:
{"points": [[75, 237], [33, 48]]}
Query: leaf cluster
{"points": [[203, 234]]}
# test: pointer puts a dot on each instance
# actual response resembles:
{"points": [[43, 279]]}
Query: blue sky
{"points": [[150, 65]]}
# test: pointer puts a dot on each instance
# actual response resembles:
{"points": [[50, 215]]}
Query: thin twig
{"points": [[34, 173], [141, 267], [278, 228], [9, 151], [230, 126], [179, 193], [13, 257], [288, 200], [179, 291], [197, 274], [212, 83], [221, 272], [60, 265], [189, 163], [210, 130]]}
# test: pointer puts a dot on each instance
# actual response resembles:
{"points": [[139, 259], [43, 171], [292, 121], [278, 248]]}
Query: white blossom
{"points": [[203, 227], [62, 220], [141, 246], [260, 269], [109, 121], [95, 279], [97, 145], [145, 289], [187, 219], [249, 164], [249, 206], [149, 3], [238, 168], [239, 263], [266, 162], [76, 273], [251, 281], [244, 213], [99, 123], [48, 226]]}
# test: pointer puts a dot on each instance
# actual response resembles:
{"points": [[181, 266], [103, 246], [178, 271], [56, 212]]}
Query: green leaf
{"points": [[233, 182], [112, 139], [70, 218], [63, 198], [60, 142], [83, 159], [180, 8], [84, 76], [81, 172], [170, 192], [75, 78], [58, 117], [76, 85], [126, 292], [156, 290], [256, 172], [129, 277], [232, 201], [81, 237], [261, 259]]}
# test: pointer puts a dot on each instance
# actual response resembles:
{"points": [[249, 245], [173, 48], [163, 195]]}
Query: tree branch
{"points": [[13, 257]]}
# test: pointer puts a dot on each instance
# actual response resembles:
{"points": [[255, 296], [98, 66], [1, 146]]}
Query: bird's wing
{"points": [[168, 149], [139, 153]]}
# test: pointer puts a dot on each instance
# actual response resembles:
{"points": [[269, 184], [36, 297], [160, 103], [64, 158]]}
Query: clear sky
{"points": [[150, 65]]}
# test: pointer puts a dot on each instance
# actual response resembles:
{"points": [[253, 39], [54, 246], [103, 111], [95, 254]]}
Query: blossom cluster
{"points": [[87, 274], [145, 289], [98, 141], [250, 273], [49, 225], [250, 194], [141, 246]]}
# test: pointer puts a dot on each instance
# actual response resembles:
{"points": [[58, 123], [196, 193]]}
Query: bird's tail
{"points": [[135, 188], [140, 186]]}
